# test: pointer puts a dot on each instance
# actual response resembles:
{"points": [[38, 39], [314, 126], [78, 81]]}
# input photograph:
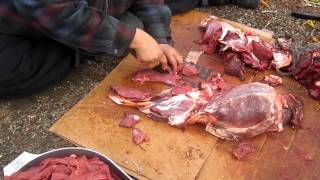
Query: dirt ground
{"points": [[24, 122]]}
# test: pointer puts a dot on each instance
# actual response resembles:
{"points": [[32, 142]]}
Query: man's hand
{"points": [[173, 57], [148, 50]]}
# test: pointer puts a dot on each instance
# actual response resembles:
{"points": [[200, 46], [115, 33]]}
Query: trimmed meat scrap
{"points": [[284, 43], [229, 112], [242, 149], [138, 136], [129, 120]]}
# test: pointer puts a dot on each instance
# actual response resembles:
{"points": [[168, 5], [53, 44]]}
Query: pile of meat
{"points": [[228, 112], [71, 168], [240, 49], [307, 72]]}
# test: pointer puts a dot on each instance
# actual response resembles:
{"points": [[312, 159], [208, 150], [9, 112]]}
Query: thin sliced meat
{"points": [[129, 120], [233, 65], [130, 93], [138, 136], [272, 80], [154, 76], [189, 70], [243, 149]]}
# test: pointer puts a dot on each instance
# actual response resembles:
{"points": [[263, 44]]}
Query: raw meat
{"points": [[281, 59], [227, 112], [233, 65], [130, 93], [129, 120], [138, 136], [307, 72], [284, 43], [189, 70], [243, 149], [272, 80], [149, 75], [250, 48], [249, 110], [71, 168], [182, 88]]}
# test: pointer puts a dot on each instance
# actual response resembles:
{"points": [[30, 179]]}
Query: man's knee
{"points": [[165, 13]]}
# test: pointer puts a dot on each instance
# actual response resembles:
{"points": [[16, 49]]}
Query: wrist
{"points": [[136, 39]]}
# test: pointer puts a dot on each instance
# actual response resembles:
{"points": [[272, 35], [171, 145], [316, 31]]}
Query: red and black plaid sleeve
{"points": [[78, 25]]}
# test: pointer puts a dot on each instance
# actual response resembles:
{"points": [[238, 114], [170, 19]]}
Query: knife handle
{"points": [[305, 15]]}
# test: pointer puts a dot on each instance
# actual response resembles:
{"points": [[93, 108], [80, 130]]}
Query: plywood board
{"points": [[191, 154], [291, 154]]}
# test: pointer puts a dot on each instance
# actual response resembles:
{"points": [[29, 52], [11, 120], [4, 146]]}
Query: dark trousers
{"points": [[28, 65]]}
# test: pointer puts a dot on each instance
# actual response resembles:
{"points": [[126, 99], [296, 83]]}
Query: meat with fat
{"points": [[129, 120], [228, 112], [272, 80], [253, 51]]}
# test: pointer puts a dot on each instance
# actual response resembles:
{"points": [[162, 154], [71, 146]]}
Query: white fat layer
{"points": [[194, 94], [136, 117], [173, 103], [226, 28], [116, 99], [253, 38], [231, 44], [280, 59]]}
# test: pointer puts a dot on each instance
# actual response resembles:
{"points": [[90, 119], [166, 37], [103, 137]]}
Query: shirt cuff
{"points": [[165, 41], [123, 38]]}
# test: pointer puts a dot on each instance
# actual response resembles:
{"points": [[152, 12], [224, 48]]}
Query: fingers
{"points": [[173, 62], [164, 62], [179, 60]]}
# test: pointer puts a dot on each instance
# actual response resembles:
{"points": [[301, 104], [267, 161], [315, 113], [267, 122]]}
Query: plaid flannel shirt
{"points": [[88, 25]]}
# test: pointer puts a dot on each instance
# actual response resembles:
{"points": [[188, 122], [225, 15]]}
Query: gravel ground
{"points": [[24, 122]]}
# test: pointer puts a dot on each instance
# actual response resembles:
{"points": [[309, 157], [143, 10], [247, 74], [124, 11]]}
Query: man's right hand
{"points": [[148, 50]]}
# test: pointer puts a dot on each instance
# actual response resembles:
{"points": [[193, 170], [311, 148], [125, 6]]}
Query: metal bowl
{"points": [[63, 152]]}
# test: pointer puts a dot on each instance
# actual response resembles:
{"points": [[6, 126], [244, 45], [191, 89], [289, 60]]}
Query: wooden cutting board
{"points": [[191, 154]]}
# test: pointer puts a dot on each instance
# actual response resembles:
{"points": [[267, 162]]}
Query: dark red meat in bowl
{"points": [[70, 163]]}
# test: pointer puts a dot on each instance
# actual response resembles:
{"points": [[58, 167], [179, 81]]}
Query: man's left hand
{"points": [[173, 56]]}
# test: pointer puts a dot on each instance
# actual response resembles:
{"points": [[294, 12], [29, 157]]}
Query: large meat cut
{"points": [[72, 168], [241, 49], [227, 112]]}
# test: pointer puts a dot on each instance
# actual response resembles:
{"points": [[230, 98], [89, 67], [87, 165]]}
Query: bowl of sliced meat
{"points": [[71, 163]]}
